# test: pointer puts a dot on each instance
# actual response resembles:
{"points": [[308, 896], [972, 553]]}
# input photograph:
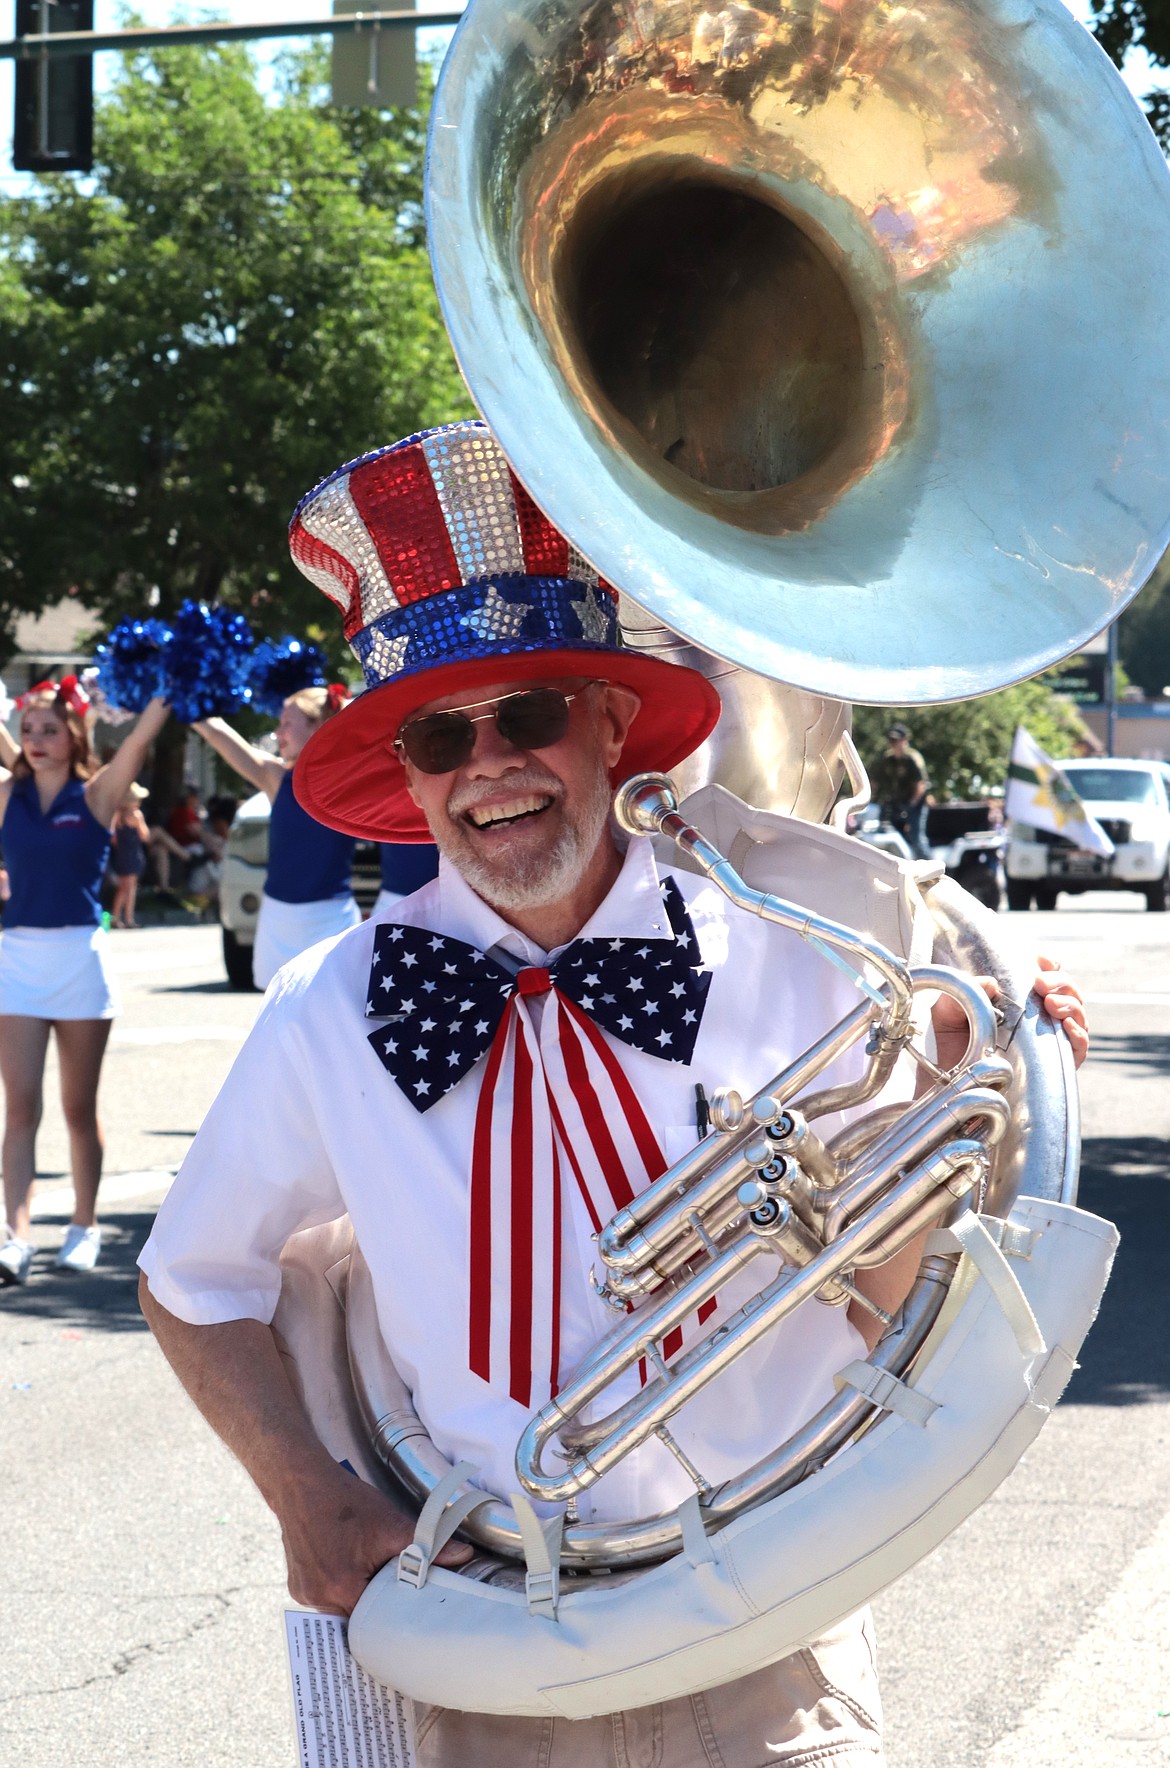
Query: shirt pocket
{"points": [[678, 1139]]}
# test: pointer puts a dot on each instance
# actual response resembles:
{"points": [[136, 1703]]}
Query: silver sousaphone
{"points": [[832, 336]]}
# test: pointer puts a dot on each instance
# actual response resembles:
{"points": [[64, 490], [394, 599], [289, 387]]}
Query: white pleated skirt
{"points": [[56, 973], [286, 929]]}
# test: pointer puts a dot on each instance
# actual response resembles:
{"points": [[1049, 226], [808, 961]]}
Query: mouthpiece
{"points": [[642, 803]]}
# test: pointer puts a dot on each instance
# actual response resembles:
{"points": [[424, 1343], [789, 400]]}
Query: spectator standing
{"points": [[57, 808], [307, 892], [900, 783], [130, 836]]}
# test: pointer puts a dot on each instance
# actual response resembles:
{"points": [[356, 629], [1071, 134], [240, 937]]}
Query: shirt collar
{"points": [[633, 909]]}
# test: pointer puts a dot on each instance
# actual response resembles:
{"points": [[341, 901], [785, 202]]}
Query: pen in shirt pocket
{"points": [[702, 1111]]}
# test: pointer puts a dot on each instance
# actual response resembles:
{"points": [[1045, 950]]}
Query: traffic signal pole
{"points": [[53, 109], [29, 47]]}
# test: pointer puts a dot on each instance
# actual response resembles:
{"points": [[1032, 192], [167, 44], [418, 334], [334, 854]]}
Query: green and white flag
{"points": [[1039, 794]]}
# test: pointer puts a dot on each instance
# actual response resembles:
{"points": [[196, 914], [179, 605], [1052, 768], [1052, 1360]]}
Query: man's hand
{"points": [[1059, 996], [1061, 999], [889, 1284], [337, 1533]]}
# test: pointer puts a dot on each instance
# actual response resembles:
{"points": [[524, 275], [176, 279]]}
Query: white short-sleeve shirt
{"points": [[309, 1125]]}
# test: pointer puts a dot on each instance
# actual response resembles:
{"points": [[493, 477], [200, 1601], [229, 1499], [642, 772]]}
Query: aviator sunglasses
{"points": [[534, 718]]}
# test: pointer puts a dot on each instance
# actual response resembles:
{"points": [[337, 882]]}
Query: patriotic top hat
{"points": [[449, 579]]}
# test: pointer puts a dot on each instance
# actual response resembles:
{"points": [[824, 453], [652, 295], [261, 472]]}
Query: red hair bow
{"points": [[68, 690], [336, 696]]}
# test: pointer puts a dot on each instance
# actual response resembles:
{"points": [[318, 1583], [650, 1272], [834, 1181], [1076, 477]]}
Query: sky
{"points": [[108, 17]]}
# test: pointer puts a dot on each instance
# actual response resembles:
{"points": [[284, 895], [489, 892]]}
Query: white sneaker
{"points": [[15, 1259], [79, 1249]]}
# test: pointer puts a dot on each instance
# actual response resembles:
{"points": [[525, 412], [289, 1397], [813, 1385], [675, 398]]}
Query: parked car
{"points": [[970, 845], [245, 861], [961, 836], [869, 826], [1131, 801]]}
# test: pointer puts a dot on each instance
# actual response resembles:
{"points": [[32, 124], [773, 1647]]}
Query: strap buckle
{"points": [[887, 1392], [414, 1562], [542, 1554], [438, 1519], [543, 1589]]}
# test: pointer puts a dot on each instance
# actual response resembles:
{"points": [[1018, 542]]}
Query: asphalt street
{"points": [[143, 1577]]}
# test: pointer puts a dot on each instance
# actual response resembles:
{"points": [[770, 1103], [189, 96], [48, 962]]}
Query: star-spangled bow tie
{"points": [[444, 1000]]}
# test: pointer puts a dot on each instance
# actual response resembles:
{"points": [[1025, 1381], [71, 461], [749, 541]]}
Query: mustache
{"points": [[521, 782]]}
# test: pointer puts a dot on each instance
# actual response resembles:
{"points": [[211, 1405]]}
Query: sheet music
{"points": [[342, 1717]]}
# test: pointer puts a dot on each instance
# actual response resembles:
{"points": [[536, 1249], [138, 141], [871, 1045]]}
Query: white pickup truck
{"points": [[241, 885], [245, 864], [1131, 801]]}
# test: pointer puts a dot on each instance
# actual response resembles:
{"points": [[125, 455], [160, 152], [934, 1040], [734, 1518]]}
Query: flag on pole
{"points": [[1039, 794]]}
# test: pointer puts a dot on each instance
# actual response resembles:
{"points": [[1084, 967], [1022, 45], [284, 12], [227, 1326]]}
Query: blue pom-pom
{"points": [[207, 662], [130, 663], [280, 667]]}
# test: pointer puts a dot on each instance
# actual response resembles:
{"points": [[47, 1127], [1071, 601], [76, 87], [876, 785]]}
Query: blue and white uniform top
{"points": [[307, 894], [56, 859], [407, 865], [306, 861]]}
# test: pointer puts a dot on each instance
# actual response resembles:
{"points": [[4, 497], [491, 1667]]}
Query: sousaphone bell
{"points": [[831, 333]]}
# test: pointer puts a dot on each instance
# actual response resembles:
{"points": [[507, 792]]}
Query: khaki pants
{"points": [[819, 1706]]}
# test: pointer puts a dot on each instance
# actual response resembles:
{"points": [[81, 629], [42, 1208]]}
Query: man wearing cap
{"points": [[480, 1077], [900, 783]]}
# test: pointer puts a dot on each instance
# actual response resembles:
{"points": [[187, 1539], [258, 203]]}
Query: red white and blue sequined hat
{"points": [[449, 578]]}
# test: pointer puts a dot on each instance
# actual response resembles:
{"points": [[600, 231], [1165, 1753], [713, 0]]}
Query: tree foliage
{"points": [[966, 744], [1143, 634], [239, 301], [1122, 25]]}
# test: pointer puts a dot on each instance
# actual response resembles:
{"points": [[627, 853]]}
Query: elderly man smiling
{"points": [[482, 1076]]}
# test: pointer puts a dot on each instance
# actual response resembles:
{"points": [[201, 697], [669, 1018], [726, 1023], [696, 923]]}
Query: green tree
{"points": [[1143, 637], [239, 301], [1122, 25], [966, 744]]}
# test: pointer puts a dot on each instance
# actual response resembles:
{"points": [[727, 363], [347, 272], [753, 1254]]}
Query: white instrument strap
{"points": [[970, 1235], [886, 1391], [437, 1522], [696, 1541], [699, 1549], [542, 1551], [835, 958]]}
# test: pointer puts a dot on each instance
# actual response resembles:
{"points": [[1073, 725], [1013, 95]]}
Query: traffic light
{"points": [[374, 67], [53, 112]]}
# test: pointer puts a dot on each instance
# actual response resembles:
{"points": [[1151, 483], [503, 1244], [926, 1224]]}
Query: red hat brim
{"points": [[349, 777]]}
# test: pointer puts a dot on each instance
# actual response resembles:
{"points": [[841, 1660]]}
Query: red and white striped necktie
{"points": [[554, 1105]]}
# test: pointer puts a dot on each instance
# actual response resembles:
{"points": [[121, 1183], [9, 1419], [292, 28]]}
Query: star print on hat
{"points": [[448, 578]]}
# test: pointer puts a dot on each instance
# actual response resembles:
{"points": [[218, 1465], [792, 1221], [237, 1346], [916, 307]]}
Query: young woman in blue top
{"points": [[406, 867], [57, 806], [307, 892]]}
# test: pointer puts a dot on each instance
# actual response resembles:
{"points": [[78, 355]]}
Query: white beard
{"points": [[535, 881]]}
